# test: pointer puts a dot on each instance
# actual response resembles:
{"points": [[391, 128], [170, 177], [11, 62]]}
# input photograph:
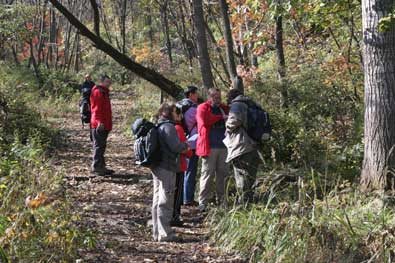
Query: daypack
{"points": [[147, 146], [259, 127], [85, 107], [185, 105]]}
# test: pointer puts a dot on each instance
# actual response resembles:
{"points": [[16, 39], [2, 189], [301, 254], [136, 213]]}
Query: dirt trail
{"points": [[117, 208]]}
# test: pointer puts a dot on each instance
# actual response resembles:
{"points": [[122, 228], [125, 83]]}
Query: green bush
{"points": [[34, 225], [321, 128]]}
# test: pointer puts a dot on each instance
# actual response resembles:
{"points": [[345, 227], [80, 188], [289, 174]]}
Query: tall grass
{"points": [[343, 226]]}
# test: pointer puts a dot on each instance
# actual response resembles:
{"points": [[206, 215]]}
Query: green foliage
{"points": [[36, 224], [45, 231], [386, 23], [319, 129], [14, 20], [341, 228]]}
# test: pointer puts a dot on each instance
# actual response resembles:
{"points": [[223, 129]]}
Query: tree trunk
{"points": [[237, 82], [281, 60], [148, 74], [166, 31], [379, 71], [201, 39], [96, 17]]}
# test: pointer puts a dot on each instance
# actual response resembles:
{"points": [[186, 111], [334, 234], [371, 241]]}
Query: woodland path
{"points": [[117, 208]]}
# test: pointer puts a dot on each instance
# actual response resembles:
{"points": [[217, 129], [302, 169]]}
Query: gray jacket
{"points": [[170, 146], [237, 140]]}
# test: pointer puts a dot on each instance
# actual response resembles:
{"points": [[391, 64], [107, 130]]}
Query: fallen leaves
{"points": [[38, 201]]}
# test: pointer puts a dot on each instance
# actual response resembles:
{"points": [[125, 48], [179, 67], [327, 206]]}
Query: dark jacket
{"points": [[170, 146], [87, 87]]}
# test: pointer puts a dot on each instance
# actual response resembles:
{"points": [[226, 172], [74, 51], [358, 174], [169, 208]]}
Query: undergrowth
{"points": [[37, 222]]}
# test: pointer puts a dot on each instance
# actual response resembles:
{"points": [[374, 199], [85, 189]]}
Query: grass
{"points": [[343, 225]]}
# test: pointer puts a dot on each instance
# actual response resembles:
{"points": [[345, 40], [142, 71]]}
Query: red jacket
{"points": [[101, 108], [205, 120], [183, 139]]}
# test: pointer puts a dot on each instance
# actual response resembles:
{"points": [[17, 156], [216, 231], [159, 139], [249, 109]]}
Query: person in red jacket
{"points": [[178, 198], [211, 116], [101, 124]]}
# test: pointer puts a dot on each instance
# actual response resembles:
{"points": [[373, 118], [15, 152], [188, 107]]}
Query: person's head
{"points": [[191, 93], [105, 81], [177, 115], [88, 77], [233, 94], [214, 95], [166, 111]]}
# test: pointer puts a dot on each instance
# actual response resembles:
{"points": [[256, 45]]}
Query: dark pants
{"points": [[178, 195], [246, 168], [99, 140], [190, 179]]}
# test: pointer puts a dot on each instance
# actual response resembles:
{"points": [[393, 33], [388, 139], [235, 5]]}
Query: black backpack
{"points": [[85, 105], [185, 105], [147, 146], [259, 127]]}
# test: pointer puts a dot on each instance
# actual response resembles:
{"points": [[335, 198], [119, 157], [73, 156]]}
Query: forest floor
{"points": [[117, 208]]}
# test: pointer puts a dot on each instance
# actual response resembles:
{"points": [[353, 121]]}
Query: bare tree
{"points": [[237, 82], [201, 40]]}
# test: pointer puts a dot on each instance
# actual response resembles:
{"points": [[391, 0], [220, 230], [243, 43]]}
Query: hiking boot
{"points": [[193, 203], [99, 172], [176, 223], [171, 239], [109, 171], [202, 208]]}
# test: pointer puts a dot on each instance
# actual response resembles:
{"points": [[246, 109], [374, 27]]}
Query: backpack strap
{"points": [[164, 122]]}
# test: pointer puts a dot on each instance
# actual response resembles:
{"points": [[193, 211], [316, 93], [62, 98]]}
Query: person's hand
{"points": [[187, 150], [100, 127]]}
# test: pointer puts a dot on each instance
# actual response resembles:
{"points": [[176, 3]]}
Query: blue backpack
{"points": [[259, 127]]}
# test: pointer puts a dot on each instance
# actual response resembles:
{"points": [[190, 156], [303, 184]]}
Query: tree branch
{"points": [[148, 74]]}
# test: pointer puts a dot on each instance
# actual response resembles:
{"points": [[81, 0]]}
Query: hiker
{"points": [[178, 199], [101, 124], [189, 108], [85, 90], [164, 174], [88, 84], [242, 148], [211, 116]]}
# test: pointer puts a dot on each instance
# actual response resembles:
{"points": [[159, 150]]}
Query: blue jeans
{"points": [[190, 179]]}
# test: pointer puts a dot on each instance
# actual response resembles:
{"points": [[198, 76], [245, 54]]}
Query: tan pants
{"points": [[163, 202], [213, 166]]}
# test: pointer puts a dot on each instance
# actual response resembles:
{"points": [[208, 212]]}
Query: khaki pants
{"points": [[163, 202], [213, 166]]}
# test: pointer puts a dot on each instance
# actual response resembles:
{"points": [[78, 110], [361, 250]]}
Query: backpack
{"points": [[259, 127], [85, 105], [185, 105], [147, 146]]}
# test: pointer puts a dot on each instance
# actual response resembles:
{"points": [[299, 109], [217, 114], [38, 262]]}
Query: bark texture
{"points": [[201, 40], [379, 71]]}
